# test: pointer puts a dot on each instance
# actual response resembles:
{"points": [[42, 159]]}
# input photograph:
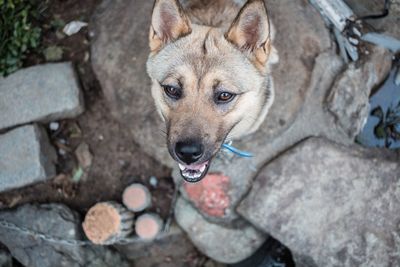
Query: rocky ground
{"points": [[331, 202]]}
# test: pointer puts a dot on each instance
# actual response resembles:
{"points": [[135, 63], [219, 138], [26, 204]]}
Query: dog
{"points": [[210, 67]]}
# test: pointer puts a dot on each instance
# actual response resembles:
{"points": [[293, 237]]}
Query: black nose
{"points": [[189, 152]]}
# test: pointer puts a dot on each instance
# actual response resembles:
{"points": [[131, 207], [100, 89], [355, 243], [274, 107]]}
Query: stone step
{"points": [[40, 93], [26, 157]]}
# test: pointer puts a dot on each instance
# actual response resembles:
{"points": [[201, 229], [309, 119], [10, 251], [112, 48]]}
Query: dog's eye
{"points": [[172, 92], [224, 97]]}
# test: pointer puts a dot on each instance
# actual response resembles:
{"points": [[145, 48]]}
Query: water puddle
{"points": [[383, 124]]}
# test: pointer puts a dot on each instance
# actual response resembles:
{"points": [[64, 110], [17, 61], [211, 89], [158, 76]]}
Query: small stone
{"points": [[84, 156], [74, 27], [153, 181], [26, 157], [62, 152], [62, 141], [54, 126], [86, 57], [45, 93]]}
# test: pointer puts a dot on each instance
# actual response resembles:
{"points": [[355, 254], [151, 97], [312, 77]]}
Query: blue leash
{"points": [[236, 151]]}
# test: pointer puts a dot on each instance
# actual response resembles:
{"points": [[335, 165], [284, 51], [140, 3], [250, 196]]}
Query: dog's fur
{"points": [[204, 47]]}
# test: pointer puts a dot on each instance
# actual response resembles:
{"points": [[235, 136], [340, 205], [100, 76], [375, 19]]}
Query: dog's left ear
{"points": [[250, 31], [168, 23]]}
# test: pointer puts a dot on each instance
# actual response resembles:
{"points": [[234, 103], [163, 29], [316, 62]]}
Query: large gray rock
{"points": [[223, 244], [331, 205], [57, 221], [40, 93], [26, 157]]}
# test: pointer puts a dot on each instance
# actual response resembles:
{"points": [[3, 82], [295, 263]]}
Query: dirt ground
{"points": [[117, 160]]}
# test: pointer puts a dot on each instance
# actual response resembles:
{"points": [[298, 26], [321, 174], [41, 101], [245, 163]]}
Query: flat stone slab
{"points": [[26, 157], [40, 93], [331, 205]]}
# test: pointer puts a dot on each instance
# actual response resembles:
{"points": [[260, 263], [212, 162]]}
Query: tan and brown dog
{"points": [[210, 70]]}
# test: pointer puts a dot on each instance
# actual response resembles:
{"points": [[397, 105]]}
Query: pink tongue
{"points": [[196, 167]]}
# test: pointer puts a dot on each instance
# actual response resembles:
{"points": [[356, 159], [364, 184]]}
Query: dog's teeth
{"points": [[203, 168], [181, 167]]}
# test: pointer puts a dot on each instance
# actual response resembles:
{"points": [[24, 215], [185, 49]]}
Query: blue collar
{"points": [[236, 151]]}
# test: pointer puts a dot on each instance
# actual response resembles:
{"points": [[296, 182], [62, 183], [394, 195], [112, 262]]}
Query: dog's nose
{"points": [[189, 152]]}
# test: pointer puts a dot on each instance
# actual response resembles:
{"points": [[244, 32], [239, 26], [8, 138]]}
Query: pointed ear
{"points": [[168, 23], [250, 31]]}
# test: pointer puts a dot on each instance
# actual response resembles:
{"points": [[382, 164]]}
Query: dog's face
{"points": [[209, 84]]}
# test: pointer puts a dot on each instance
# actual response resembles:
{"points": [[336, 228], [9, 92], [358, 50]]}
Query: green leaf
{"points": [[380, 132], [17, 34], [77, 175]]}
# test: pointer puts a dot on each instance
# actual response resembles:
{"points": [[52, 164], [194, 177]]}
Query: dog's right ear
{"points": [[250, 32], [168, 23]]}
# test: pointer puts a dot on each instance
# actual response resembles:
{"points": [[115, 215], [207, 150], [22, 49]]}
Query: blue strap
{"points": [[236, 151]]}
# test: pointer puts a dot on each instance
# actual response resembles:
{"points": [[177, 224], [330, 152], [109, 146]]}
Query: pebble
{"points": [[54, 126], [153, 181]]}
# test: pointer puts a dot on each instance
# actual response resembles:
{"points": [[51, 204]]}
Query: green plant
{"points": [[17, 34], [388, 127]]}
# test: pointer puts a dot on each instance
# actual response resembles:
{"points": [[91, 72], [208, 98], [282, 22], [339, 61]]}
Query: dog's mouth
{"points": [[195, 172]]}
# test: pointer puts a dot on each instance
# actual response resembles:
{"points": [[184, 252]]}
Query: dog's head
{"points": [[209, 84]]}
